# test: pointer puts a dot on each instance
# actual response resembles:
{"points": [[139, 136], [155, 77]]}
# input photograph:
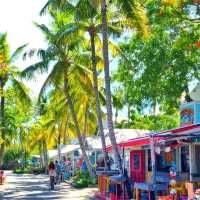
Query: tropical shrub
{"points": [[83, 179], [22, 171]]}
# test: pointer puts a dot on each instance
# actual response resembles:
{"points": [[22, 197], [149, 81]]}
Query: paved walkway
{"points": [[36, 187]]}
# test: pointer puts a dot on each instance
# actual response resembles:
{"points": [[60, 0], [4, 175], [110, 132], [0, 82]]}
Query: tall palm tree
{"points": [[66, 69], [89, 22], [9, 73], [118, 101], [128, 8], [135, 16], [107, 84]]}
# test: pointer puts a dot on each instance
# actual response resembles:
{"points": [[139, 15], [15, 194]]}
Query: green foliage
{"points": [[38, 170], [151, 122], [12, 154], [29, 170], [159, 69], [83, 179], [22, 171]]}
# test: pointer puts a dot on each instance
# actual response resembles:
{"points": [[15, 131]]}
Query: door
{"points": [[137, 165]]}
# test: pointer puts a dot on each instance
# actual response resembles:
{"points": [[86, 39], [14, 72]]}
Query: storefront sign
{"points": [[187, 117]]}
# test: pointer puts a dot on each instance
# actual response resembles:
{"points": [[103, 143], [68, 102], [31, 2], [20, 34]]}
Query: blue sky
{"points": [[16, 18]]}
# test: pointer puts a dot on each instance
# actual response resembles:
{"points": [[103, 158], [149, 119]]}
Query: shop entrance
{"points": [[137, 165]]}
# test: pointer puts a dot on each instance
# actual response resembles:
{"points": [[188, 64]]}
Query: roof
{"points": [[52, 153], [195, 93], [123, 135], [64, 150], [69, 148], [145, 140]]}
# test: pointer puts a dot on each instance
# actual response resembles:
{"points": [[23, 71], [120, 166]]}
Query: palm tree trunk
{"points": [[58, 145], [2, 148], [116, 116], [85, 128], [107, 84], [98, 105], [41, 154], [129, 113], [65, 132], [45, 155], [78, 132]]}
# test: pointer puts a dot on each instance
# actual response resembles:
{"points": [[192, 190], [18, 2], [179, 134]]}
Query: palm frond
{"points": [[135, 13], [46, 6], [17, 53], [4, 48], [57, 5], [39, 67], [21, 91], [70, 29], [45, 30], [53, 78]]}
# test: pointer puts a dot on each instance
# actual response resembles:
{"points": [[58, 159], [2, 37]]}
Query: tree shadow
{"points": [[36, 187]]}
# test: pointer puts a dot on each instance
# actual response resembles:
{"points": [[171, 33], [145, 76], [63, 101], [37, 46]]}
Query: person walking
{"points": [[52, 174], [62, 165], [58, 172]]}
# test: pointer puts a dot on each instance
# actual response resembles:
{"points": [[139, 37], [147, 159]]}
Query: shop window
{"points": [[197, 158], [136, 161], [185, 165], [165, 160], [149, 160], [76, 153]]}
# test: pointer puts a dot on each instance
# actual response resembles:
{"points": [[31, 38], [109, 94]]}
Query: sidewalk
{"points": [[36, 187]]}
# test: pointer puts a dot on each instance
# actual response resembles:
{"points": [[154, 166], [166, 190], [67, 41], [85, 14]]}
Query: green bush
{"points": [[29, 170], [83, 179], [22, 171], [38, 170], [12, 154]]}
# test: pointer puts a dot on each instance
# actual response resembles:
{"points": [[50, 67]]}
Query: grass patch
{"points": [[22, 171]]}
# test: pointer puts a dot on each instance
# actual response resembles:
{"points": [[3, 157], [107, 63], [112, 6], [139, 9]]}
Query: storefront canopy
{"points": [[64, 150], [189, 131]]}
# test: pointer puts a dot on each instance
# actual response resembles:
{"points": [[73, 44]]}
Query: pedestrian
{"points": [[52, 174], [62, 166], [68, 169], [58, 172]]}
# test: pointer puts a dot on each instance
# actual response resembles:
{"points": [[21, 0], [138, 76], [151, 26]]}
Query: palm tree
{"points": [[117, 99], [9, 73], [130, 9], [89, 22], [135, 17], [66, 69], [107, 84]]}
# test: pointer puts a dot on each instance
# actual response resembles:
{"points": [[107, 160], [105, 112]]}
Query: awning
{"points": [[189, 131], [69, 148]]}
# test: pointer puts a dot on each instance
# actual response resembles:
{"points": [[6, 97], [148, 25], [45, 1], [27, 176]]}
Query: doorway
{"points": [[137, 165]]}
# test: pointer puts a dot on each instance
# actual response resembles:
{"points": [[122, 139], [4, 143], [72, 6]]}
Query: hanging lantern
{"points": [[167, 149], [172, 182], [173, 191], [157, 150]]}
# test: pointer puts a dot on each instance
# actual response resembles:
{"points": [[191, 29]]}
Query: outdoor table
{"points": [[163, 177], [119, 180], [148, 187], [103, 182]]}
